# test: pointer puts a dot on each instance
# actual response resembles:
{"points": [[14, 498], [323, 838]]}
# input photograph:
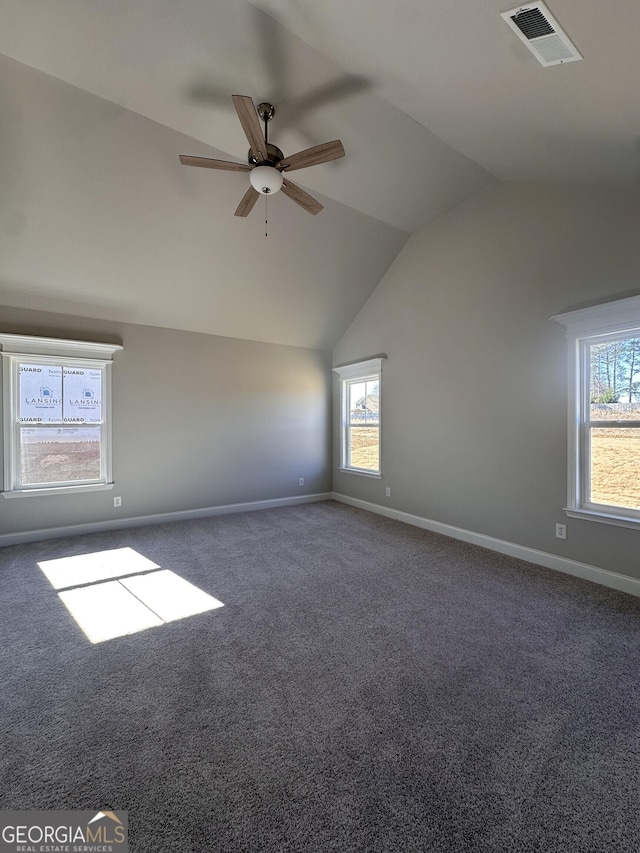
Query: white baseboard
{"points": [[7, 539], [623, 583]]}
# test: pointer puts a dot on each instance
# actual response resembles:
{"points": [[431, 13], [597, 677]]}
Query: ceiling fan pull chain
{"points": [[266, 202]]}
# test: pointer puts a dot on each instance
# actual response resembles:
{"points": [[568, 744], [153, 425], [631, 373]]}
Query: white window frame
{"points": [[17, 349], [587, 326], [362, 371]]}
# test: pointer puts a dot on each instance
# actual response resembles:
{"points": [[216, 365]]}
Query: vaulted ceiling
{"points": [[433, 101]]}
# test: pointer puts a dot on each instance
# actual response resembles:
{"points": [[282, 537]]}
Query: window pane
{"points": [[62, 455], [364, 448], [40, 390], [82, 395], [364, 402], [357, 402], [615, 467], [372, 402], [614, 381]]}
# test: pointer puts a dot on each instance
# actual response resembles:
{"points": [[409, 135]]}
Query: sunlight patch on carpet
{"points": [[115, 593], [108, 610], [66, 572], [170, 596]]}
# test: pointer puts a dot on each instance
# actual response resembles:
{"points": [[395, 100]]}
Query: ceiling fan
{"points": [[266, 164]]}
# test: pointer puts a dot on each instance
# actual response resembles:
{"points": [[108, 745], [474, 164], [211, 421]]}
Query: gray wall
{"points": [[474, 409], [198, 421]]}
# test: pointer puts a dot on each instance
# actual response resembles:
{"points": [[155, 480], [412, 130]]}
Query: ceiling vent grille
{"points": [[538, 29]]}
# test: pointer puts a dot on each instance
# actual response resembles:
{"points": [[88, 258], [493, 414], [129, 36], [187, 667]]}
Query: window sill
{"points": [[58, 490], [603, 517], [373, 474]]}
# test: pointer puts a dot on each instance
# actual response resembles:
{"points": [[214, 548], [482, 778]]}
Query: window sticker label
{"points": [[82, 395], [40, 394]]}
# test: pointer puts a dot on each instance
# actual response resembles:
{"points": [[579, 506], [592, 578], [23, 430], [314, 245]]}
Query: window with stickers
{"points": [[57, 415]]}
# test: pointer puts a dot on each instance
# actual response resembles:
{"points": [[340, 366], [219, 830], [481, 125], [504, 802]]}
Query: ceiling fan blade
{"points": [[297, 194], [248, 200], [250, 124], [207, 163], [313, 156]]}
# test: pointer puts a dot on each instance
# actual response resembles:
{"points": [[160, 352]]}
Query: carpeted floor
{"points": [[367, 686]]}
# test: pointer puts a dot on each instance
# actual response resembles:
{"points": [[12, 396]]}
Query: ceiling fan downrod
{"points": [[266, 112]]}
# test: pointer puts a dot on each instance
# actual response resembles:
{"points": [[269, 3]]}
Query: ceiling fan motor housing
{"points": [[274, 156]]}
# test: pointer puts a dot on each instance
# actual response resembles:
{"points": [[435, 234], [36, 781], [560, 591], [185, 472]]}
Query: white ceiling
{"points": [[434, 100], [458, 70]]}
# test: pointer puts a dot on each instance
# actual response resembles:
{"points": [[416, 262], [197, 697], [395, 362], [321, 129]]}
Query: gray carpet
{"points": [[368, 686]]}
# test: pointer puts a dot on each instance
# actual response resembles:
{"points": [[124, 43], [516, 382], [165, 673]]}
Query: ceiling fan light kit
{"points": [[266, 179], [266, 162]]}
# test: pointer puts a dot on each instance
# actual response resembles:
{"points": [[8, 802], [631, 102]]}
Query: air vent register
{"points": [[538, 29]]}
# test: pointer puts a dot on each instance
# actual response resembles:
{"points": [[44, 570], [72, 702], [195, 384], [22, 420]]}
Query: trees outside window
{"points": [[604, 412]]}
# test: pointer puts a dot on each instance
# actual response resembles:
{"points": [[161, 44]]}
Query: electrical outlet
{"points": [[301, 481], [117, 501], [387, 492], [561, 531]]}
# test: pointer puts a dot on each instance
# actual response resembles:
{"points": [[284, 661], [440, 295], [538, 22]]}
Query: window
{"points": [[360, 417], [57, 415], [604, 412]]}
